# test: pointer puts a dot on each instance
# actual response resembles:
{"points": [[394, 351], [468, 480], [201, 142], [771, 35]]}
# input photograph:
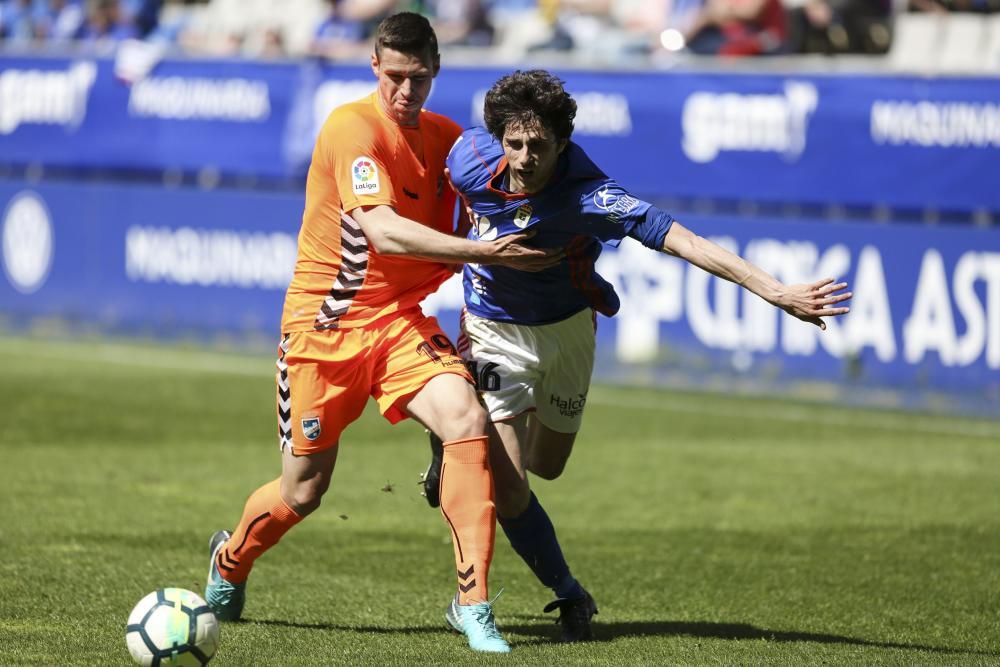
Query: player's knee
{"points": [[305, 496], [465, 419], [548, 470], [512, 500]]}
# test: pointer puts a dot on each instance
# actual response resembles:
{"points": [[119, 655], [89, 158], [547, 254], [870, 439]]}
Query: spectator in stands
{"points": [[252, 28], [17, 21], [605, 30], [460, 22], [59, 20], [941, 6], [272, 43], [838, 26], [340, 35], [739, 28], [143, 14], [173, 19], [106, 23]]}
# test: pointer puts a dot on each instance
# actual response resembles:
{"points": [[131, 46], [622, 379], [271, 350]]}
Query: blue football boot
{"points": [[477, 623], [225, 598]]}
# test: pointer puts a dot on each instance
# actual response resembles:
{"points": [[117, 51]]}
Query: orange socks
{"points": [[266, 518], [468, 507], [466, 503]]}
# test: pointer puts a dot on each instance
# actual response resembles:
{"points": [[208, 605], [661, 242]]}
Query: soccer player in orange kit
{"points": [[375, 241]]}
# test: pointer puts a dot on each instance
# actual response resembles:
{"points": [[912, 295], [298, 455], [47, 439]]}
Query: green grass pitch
{"points": [[711, 530]]}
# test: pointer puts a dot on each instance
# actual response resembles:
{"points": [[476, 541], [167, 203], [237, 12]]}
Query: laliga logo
{"points": [[27, 242], [713, 122], [364, 176], [363, 171]]}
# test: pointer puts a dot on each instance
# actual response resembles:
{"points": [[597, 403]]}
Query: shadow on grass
{"points": [[544, 632], [366, 629], [604, 632]]}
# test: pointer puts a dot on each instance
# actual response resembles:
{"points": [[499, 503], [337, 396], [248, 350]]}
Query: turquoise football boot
{"points": [[226, 599], [477, 623]]}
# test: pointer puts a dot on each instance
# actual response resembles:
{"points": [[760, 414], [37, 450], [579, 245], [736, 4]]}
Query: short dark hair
{"points": [[407, 33], [526, 98]]}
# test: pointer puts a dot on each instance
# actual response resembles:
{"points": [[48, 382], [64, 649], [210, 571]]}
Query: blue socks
{"points": [[534, 539]]}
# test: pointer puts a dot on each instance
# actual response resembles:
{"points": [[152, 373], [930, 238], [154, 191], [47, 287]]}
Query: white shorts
{"points": [[543, 368]]}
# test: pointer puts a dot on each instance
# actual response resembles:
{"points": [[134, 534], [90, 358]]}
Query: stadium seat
{"points": [[991, 53], [916, 42], [962, 43]]}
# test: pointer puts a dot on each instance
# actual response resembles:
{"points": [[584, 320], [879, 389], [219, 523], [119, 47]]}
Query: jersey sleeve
{"points": [[611, 212], [469, 159], [359, 156]]}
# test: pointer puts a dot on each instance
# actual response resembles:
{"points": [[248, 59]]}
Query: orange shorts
{"points": [[325, 377]]}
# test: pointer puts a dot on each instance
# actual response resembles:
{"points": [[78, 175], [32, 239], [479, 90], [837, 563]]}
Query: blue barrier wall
{"points": [[125, 258], [898, 141]]}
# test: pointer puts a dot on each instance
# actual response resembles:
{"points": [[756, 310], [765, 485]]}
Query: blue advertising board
{"points": [[926, 310], [865, 140]]}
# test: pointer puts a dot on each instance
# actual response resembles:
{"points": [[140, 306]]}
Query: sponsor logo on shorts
{"points": [[523, 216], [311, 427], [569, 407], [364, 176]]}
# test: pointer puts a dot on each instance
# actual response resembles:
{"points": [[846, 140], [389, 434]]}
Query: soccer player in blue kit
{"points": [[529, 338]]}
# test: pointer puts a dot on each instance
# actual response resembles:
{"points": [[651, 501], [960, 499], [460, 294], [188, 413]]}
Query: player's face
{"points": [[532, 153], [404, 82]]}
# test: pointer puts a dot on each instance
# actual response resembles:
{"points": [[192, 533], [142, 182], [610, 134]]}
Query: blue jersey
{"points": [[580, 209]]}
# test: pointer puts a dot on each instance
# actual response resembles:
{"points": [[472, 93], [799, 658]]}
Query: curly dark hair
{"points": [[527, 98], [407, 33]]}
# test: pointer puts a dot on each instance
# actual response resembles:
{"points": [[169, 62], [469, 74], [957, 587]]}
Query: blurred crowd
{"points": [[598, 30]]}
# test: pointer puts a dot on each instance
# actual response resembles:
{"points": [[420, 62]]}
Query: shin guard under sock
{"points": [[468, 506], [266, 518]]}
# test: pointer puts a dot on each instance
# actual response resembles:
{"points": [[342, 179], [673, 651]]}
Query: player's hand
{"points": [[510, 251], [813, 301]]}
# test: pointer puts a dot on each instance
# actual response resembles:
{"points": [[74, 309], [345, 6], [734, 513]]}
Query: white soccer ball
{"points": [[174, 627]]}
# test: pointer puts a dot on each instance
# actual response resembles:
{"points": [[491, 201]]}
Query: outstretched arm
{"points": [[392, 234], [808, 302]]}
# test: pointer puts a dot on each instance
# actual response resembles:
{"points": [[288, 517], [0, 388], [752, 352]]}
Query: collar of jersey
{"points": [[496, 189], [382, 111]]}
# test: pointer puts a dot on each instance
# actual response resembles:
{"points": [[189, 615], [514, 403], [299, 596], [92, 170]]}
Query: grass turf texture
{"points": [[711, 530]]}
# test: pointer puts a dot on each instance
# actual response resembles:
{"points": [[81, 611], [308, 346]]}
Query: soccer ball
{"points": [[173, 627]]}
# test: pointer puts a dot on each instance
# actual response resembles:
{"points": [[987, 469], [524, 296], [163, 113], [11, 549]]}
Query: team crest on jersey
{"points": [[311, 427], [364, 176], [523, 216]]}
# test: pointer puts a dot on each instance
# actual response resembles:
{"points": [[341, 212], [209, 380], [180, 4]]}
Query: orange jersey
{"points": [[363, 158]]}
